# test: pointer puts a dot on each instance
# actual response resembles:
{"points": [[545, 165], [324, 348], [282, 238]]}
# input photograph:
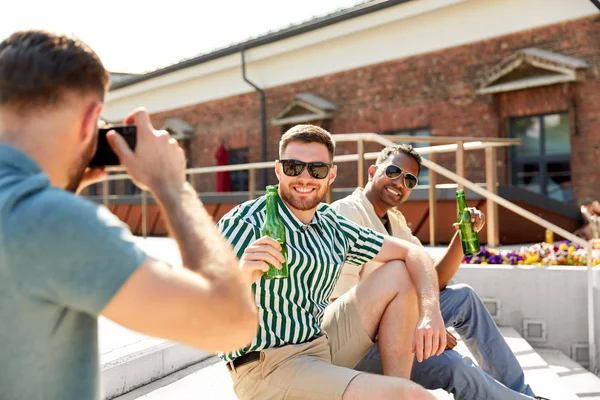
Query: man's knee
{"points": [[394, 274], [367, 386], [461, 368], [458, 373], [444, 371], [461, 293], [420, 393]]}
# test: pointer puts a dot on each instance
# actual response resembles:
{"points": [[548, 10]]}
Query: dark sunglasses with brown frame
{"points": [[316, 169]]}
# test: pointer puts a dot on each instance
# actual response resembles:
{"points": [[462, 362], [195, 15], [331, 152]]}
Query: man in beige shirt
{"points": [[499, 375]]}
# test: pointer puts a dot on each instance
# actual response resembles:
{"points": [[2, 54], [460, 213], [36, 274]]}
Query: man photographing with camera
{"points": [[65, 260]]}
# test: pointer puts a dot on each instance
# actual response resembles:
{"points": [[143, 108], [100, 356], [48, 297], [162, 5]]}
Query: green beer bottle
{"points": [[274, 228], [468, 236]]}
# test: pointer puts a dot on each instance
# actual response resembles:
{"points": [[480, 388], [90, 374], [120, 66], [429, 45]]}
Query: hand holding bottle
{"points": [[465, 220], [253, 262], [274, 228], [477, 218]]}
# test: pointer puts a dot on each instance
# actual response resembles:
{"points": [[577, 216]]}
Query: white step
{"points": [[207, 380], [542, 379], [572, 375], [129, 360], [210, 379]]}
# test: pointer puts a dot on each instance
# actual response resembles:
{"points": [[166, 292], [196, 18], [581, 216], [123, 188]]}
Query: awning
{"points": [[306, 107], [529, 68]]}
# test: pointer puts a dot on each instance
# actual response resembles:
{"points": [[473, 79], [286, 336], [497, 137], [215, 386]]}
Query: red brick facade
{"points": [[435, 90]]}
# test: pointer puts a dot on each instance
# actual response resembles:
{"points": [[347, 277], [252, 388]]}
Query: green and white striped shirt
{"points": [[291, 310]]}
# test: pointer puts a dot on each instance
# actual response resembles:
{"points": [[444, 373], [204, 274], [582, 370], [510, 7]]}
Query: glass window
{"points": [[131, 189], [95, 189], [558, 138], [559, 180], [239, 179], [527, 176], [542, 163], [529, 130]]}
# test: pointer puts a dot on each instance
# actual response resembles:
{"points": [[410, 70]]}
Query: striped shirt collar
{"points": [[293, 222]]}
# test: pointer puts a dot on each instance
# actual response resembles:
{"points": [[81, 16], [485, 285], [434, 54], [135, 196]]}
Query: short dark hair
{"points": [[307, 134], [37, 69], [395, 150]]}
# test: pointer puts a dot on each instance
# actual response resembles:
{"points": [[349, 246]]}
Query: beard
{"points": [[288, 195], [77, 170]]}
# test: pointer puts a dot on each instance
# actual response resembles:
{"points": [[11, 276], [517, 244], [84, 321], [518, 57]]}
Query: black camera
{"points": [[105, 156]]}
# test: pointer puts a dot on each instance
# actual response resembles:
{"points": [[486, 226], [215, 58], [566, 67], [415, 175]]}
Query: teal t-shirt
{"points": [[62, 259]]}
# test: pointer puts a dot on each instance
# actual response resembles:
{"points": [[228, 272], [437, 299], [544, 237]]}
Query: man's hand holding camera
{"points": [[157, 163]]}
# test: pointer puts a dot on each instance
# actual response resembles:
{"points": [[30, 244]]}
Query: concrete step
{"points": [[210, 380], [538, 374], [572, 375], [543, 380], [129, 360]]}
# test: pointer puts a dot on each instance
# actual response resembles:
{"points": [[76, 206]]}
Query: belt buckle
{"points": [[230, 366]]}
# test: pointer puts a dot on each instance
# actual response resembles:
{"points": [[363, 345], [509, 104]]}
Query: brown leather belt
{"points": [[245, 359]]}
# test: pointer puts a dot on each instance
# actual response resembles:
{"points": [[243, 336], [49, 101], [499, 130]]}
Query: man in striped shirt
{"points": [[304, 349]]}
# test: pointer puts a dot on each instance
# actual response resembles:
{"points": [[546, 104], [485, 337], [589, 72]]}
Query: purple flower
{"points": [[513, 259], [483, 252], [495, 259]]}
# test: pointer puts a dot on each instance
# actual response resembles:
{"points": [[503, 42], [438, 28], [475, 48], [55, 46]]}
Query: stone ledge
{"points": [[141, 367]]}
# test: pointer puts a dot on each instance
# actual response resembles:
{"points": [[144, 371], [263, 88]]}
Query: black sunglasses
{"points": [[393, 171], [317, 169]]}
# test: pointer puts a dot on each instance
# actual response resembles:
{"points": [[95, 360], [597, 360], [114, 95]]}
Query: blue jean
{"points": [[500, 376]]}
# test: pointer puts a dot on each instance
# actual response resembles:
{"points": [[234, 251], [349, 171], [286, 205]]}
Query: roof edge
{"points": [[285, 33]]}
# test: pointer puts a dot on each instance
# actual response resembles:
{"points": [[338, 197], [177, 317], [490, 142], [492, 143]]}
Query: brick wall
{"points": [[435, 90]]}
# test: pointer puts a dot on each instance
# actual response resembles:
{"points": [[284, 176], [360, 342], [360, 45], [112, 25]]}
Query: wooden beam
{"points": [[433, 140], [251, 184], [360, 163], [460, 161], [432, 203], [491, 179]]}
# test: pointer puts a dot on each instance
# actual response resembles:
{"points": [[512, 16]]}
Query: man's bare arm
{"points": [[208, 304], [419, 265], [447, 266], [430, 332]]}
